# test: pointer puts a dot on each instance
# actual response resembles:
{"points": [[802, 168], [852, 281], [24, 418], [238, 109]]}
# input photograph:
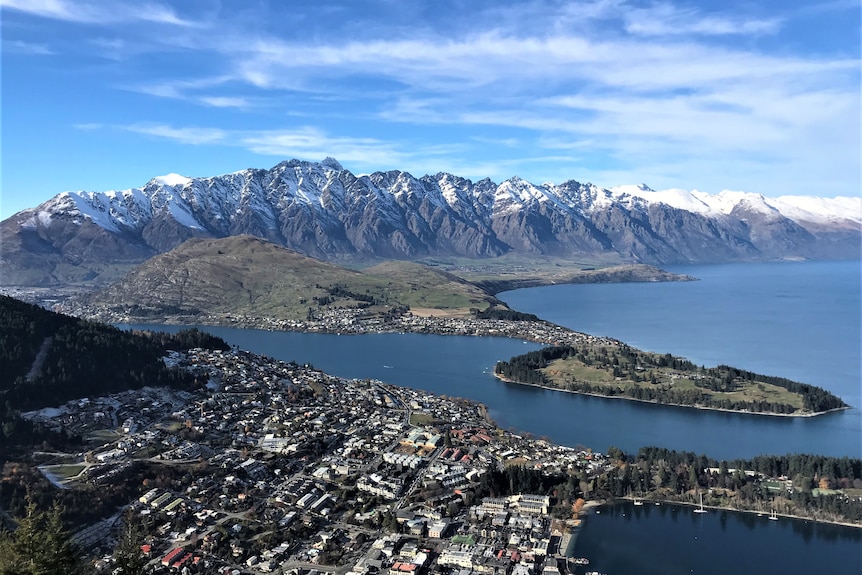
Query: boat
{"points": [[580, 561], [700, 509], [638, 502], [773, 516]]}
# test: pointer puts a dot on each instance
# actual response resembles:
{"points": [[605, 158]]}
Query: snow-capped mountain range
{"points": [[322, 210]]}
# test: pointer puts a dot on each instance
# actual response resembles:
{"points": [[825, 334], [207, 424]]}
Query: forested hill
{"points": [[50, 358], [619, 370]]}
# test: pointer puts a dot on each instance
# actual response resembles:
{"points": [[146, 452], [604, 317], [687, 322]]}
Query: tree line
{"points": [[740, 483]]}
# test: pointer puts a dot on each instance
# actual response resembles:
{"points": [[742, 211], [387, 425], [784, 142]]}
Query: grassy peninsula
{"points": [[618, 370]]}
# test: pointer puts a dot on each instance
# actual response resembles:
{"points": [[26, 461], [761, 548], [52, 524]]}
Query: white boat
{"points": [[700, 509], [638, 502]]}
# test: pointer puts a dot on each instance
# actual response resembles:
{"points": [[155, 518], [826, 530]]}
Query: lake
{"points": [[652, 540]]}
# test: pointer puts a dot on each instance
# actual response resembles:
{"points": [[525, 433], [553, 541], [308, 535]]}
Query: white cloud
{"points": [[225, 101], [185, 135], [313, 143], [101, 13], [665, 19]]}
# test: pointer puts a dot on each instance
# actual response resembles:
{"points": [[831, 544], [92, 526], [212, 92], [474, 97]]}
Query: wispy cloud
{"points": [[225, 101], [309, 142], [33, 49], [663, 19], [306, 142], [102, 13], [184, 135]]}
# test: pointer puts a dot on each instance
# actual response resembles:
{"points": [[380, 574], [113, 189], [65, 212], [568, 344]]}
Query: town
{"points": [[283, 469]]}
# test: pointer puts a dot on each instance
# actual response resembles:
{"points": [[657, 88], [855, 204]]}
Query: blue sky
{"points": [[756, 95]]}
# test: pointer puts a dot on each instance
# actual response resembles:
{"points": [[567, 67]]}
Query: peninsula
{"points": [[614, 369]]}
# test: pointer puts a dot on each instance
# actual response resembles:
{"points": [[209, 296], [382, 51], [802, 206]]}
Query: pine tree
{"points": [[40, 545], [128, 557]]}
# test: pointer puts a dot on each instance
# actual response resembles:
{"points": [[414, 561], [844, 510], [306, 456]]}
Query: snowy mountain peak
{"points": [[332, 164], [173, 180], [324, 211]]}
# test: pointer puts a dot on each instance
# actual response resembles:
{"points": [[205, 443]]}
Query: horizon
{"points": [[706, 96]]}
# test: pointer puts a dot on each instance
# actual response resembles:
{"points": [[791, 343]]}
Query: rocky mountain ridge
{"points": [[323, 210]]}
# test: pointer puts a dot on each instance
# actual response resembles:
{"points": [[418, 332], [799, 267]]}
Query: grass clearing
{"points": [[420, 418], [101, 436], [66, 471]]}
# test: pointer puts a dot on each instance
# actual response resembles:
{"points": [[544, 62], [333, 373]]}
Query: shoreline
{"points": [[729, 509], [354, 322], [445, 326], [652, 402]]}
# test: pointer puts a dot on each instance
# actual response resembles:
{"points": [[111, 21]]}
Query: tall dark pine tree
{"points": [[39, 546], [128, 558]]}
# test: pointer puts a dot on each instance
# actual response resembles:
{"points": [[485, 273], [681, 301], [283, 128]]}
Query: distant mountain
{"points": [[211, 280], [324, 211]]}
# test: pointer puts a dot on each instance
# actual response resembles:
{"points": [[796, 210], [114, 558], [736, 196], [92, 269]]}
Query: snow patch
{"points": [[820, 210], [182, 215], [673, 197], [92, 206], [173, 180]]}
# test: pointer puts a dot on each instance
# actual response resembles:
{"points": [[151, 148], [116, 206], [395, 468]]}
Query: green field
{"points": [[420, 418], [65, 472], [564, 371]]}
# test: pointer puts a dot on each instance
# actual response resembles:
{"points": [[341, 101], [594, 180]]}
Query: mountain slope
{"points": [[245, 276], [326, 212], [49, 358]]}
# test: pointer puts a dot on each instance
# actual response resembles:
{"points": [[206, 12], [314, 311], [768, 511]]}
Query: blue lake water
{"points": [[799, 320], [649, 540]]}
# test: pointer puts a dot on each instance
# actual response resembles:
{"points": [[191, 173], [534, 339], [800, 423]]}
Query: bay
{"points": [[800, 320], [652, 540]]}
